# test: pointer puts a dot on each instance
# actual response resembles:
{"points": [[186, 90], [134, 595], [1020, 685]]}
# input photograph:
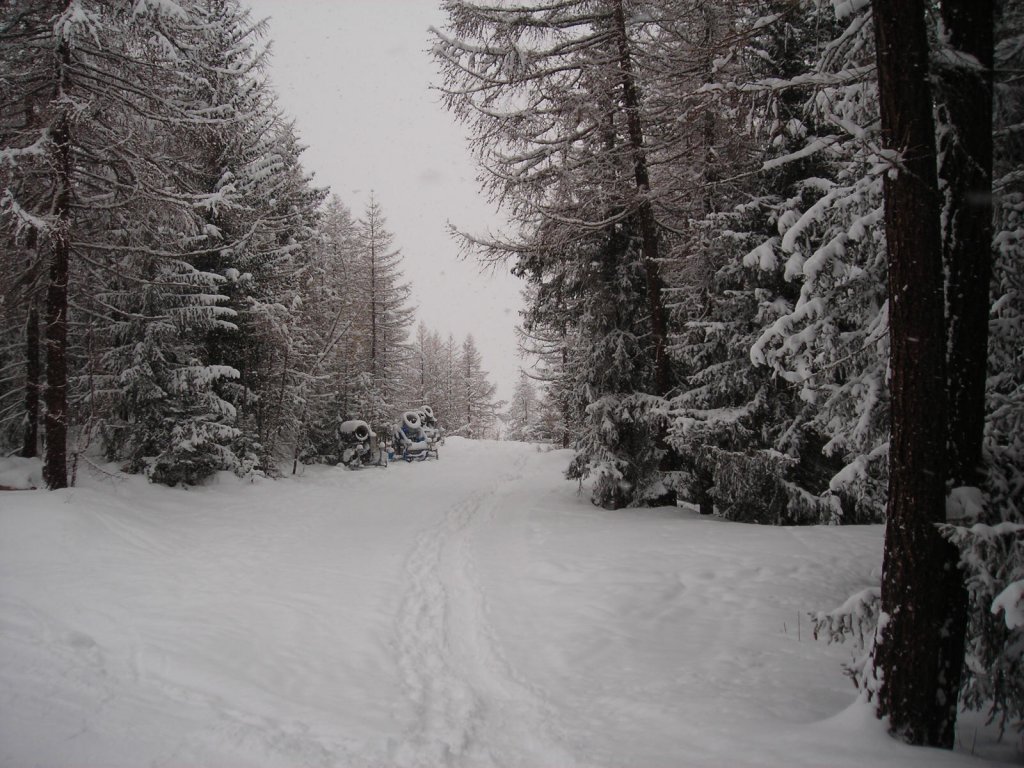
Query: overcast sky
{"points": [[356, 75]]}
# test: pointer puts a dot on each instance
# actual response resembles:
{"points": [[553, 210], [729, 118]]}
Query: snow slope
{"points": [[469, 612]]}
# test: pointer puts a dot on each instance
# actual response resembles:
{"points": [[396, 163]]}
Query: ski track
{"points": [[471, 708]]}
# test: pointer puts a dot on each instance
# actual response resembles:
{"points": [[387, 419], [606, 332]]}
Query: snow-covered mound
{"points": [[469, 612]]}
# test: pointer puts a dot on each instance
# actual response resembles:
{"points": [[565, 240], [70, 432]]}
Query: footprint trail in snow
{"points": [[470, 707]]}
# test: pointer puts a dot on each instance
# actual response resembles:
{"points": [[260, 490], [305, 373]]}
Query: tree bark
{"points": [[55, 465], [967, 170], [33, 382], [916, 660], [33, 362], [645, 211]]}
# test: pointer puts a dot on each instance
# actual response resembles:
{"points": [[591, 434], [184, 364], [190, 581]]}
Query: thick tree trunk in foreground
{"points": [[919, 656]]}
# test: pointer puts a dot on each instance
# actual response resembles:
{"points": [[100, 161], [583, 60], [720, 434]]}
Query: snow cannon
{"points": [[412, 442], [359, 430], [359, 445], [434, 433]]}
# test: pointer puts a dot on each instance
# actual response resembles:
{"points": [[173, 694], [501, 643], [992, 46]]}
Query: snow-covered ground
{"points": [[473, 611]]}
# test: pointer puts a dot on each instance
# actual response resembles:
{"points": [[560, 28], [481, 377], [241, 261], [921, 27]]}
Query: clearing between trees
{"points": [[472, 611]]}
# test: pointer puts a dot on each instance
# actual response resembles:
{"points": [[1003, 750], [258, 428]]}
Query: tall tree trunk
{"points": [[967, 170], [916, 659], [33, 362], [55, 465], [708, 171], [33, 382], [645, 211]]}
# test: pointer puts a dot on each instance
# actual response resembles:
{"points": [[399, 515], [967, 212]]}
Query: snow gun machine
{"points": [[359, 446], [415, 438]]}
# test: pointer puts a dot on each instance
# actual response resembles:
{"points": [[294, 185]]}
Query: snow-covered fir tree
{"points": [[124, 303], [523, 418], [329, 315], [423, 380], [261, 212], [476, 410], [383, 316]]}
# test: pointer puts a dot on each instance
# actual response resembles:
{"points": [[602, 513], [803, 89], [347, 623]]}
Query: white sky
{"points": [[356, 77]]}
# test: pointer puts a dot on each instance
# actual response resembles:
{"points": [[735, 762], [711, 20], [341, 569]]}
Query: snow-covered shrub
{"points": [[857, 620], [992, 557], [748, 487], [162, 413], [619, 446], [197, 450]]}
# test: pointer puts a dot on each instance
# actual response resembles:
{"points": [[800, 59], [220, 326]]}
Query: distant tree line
{"points": [[774, 269], [178, 295]]}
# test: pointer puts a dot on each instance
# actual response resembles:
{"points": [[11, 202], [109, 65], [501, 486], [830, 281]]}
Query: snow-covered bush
{"points": [[619, 447], [857, 620], [196, 450], [992, 557]]}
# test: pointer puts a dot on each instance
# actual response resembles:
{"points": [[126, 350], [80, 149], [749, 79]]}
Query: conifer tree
{"points": [[477, 409], [423, 382], [261, 214], [524, 413], [92, 185], [384, 313], [554, 94]]}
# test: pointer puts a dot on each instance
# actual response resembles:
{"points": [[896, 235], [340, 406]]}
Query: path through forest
{"points": [[473, 611]]}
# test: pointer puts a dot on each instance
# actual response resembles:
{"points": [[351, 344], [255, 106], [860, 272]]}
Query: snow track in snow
{"points": [[471, 708]]}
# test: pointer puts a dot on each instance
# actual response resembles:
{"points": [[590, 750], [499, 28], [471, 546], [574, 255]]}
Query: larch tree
{"points": [[328, 314], [385, 315], [555, 98], [477, 409], [422, 382], [446, 408]]}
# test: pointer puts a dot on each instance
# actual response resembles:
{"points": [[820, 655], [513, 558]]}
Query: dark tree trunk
{"points": [[708, 172], [33, 382], [917, 660], [33, 361], [645, 211], [55, 464], [967, 170]]}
